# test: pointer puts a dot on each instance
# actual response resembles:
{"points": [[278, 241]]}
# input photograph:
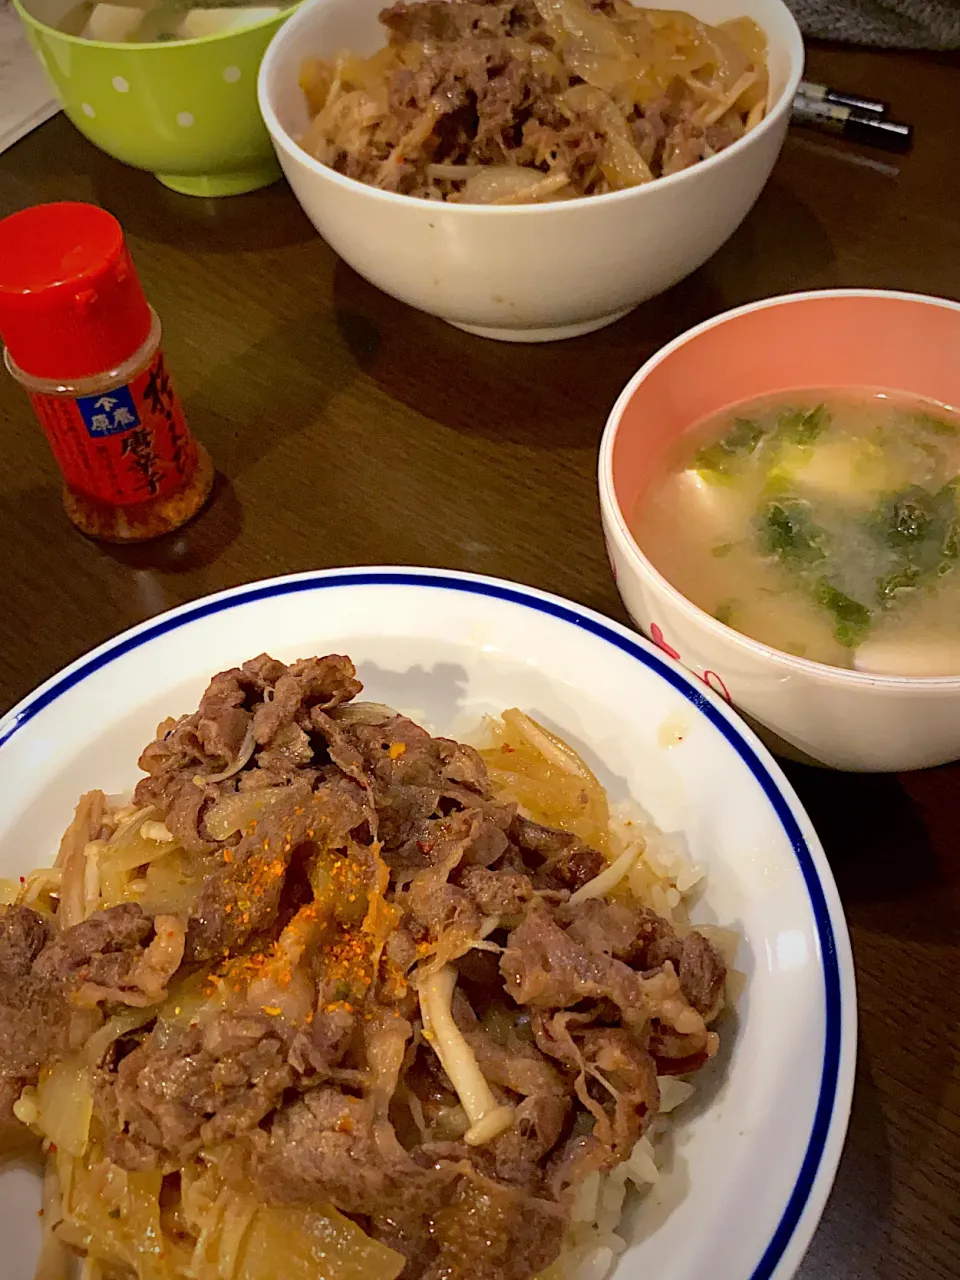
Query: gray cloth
{"points": [[886, 24]]}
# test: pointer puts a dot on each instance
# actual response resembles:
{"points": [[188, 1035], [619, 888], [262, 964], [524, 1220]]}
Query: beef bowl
{"points": [[529, 272], [516, 805]]}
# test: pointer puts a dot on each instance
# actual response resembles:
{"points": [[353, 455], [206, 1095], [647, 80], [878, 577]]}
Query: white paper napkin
{"points": [[27, 97]]}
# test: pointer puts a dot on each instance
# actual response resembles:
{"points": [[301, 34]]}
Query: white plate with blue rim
{"points": [[755, 1152]]}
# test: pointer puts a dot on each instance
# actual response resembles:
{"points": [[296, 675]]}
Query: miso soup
{"points": [[150, 21], [826, 525]]}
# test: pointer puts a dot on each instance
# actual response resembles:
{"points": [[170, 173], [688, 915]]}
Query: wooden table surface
{"points": [[350, 430]]}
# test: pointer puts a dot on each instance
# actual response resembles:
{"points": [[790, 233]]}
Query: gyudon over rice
{"points": [[334, 999], [513, 101]]}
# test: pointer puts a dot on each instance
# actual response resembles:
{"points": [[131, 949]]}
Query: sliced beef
{"points": [[417, 780], [608, 927], [289, 750], [647, 941], [312, 682], [33, 1013], [23, 934], [702, 973], [197, 1086], [538, 1123], [224, 735], [379, 848], [516, 1065], [103, 950], [223, 722], [562, 859], [262, 672], [495, 1232], [439, 907], [543, 965], [655, 943], [329, 1147], [320, 1048], [462, 764], [177, 750], [627, 1096], [439, 21], [488, 841], [34, 1016], [263, 705], [677, 1054], [242, 896], [480, 94], [471, 836], [182, 803], [502, 894], [34, 1024]]}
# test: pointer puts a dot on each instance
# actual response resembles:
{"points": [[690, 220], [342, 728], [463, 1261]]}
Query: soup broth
{"points": [[826, 525], [150, 21]]}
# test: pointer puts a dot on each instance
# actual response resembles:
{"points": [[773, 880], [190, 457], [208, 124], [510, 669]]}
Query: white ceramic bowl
{"points": [[756, 1155], [836, 338], [524, 273]]}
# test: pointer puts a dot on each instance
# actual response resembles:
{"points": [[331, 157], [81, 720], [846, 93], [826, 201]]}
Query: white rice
{"points": [[664, 875], [592, 1244]]}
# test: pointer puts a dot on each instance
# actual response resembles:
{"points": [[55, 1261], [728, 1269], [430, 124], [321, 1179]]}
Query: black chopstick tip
{"points": [[844, 122]]}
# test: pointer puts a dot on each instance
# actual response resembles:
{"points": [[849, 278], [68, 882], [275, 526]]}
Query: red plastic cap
{"points": [[70, 301]]}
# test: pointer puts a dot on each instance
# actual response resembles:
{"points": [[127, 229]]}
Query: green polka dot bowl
{"points": [[186, 110]]}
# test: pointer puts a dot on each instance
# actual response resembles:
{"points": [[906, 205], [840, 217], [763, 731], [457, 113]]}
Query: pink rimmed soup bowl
{"points": [[899, 342]]}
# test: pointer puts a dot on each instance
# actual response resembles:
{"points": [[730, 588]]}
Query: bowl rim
{"points": [[776, 112], [142, 46], [804, 1206], [617, 525]]}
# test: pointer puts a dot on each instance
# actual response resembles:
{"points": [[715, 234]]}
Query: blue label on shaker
{"points": [[109, 413]]}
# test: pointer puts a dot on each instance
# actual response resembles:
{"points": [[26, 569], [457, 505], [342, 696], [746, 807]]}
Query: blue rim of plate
{"points": [[566, 612]]}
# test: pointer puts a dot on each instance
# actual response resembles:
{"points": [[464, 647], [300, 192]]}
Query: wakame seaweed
{"points": [[787, 531], [725, 455]]}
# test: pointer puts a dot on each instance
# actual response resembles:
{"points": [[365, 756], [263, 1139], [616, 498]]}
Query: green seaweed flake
{"points": [[787, 531], [802, 426], [905, 519], [921, 527], [726, 455], [851, 620]]}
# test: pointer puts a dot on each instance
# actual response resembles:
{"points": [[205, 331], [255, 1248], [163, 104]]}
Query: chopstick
{"points": [[823, 93], [849, 116]]}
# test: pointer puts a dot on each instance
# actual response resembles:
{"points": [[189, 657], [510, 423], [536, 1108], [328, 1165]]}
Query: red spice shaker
{"points": [[84, 342]]}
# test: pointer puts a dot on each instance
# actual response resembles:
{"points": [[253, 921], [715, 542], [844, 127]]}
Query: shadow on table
{"points": [[880, 852], [780, 247], [553, 395], [853, 1237], [265, 219], [277, 388], [893, 864], [196, 545], [559, 394], [62, 165]]}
